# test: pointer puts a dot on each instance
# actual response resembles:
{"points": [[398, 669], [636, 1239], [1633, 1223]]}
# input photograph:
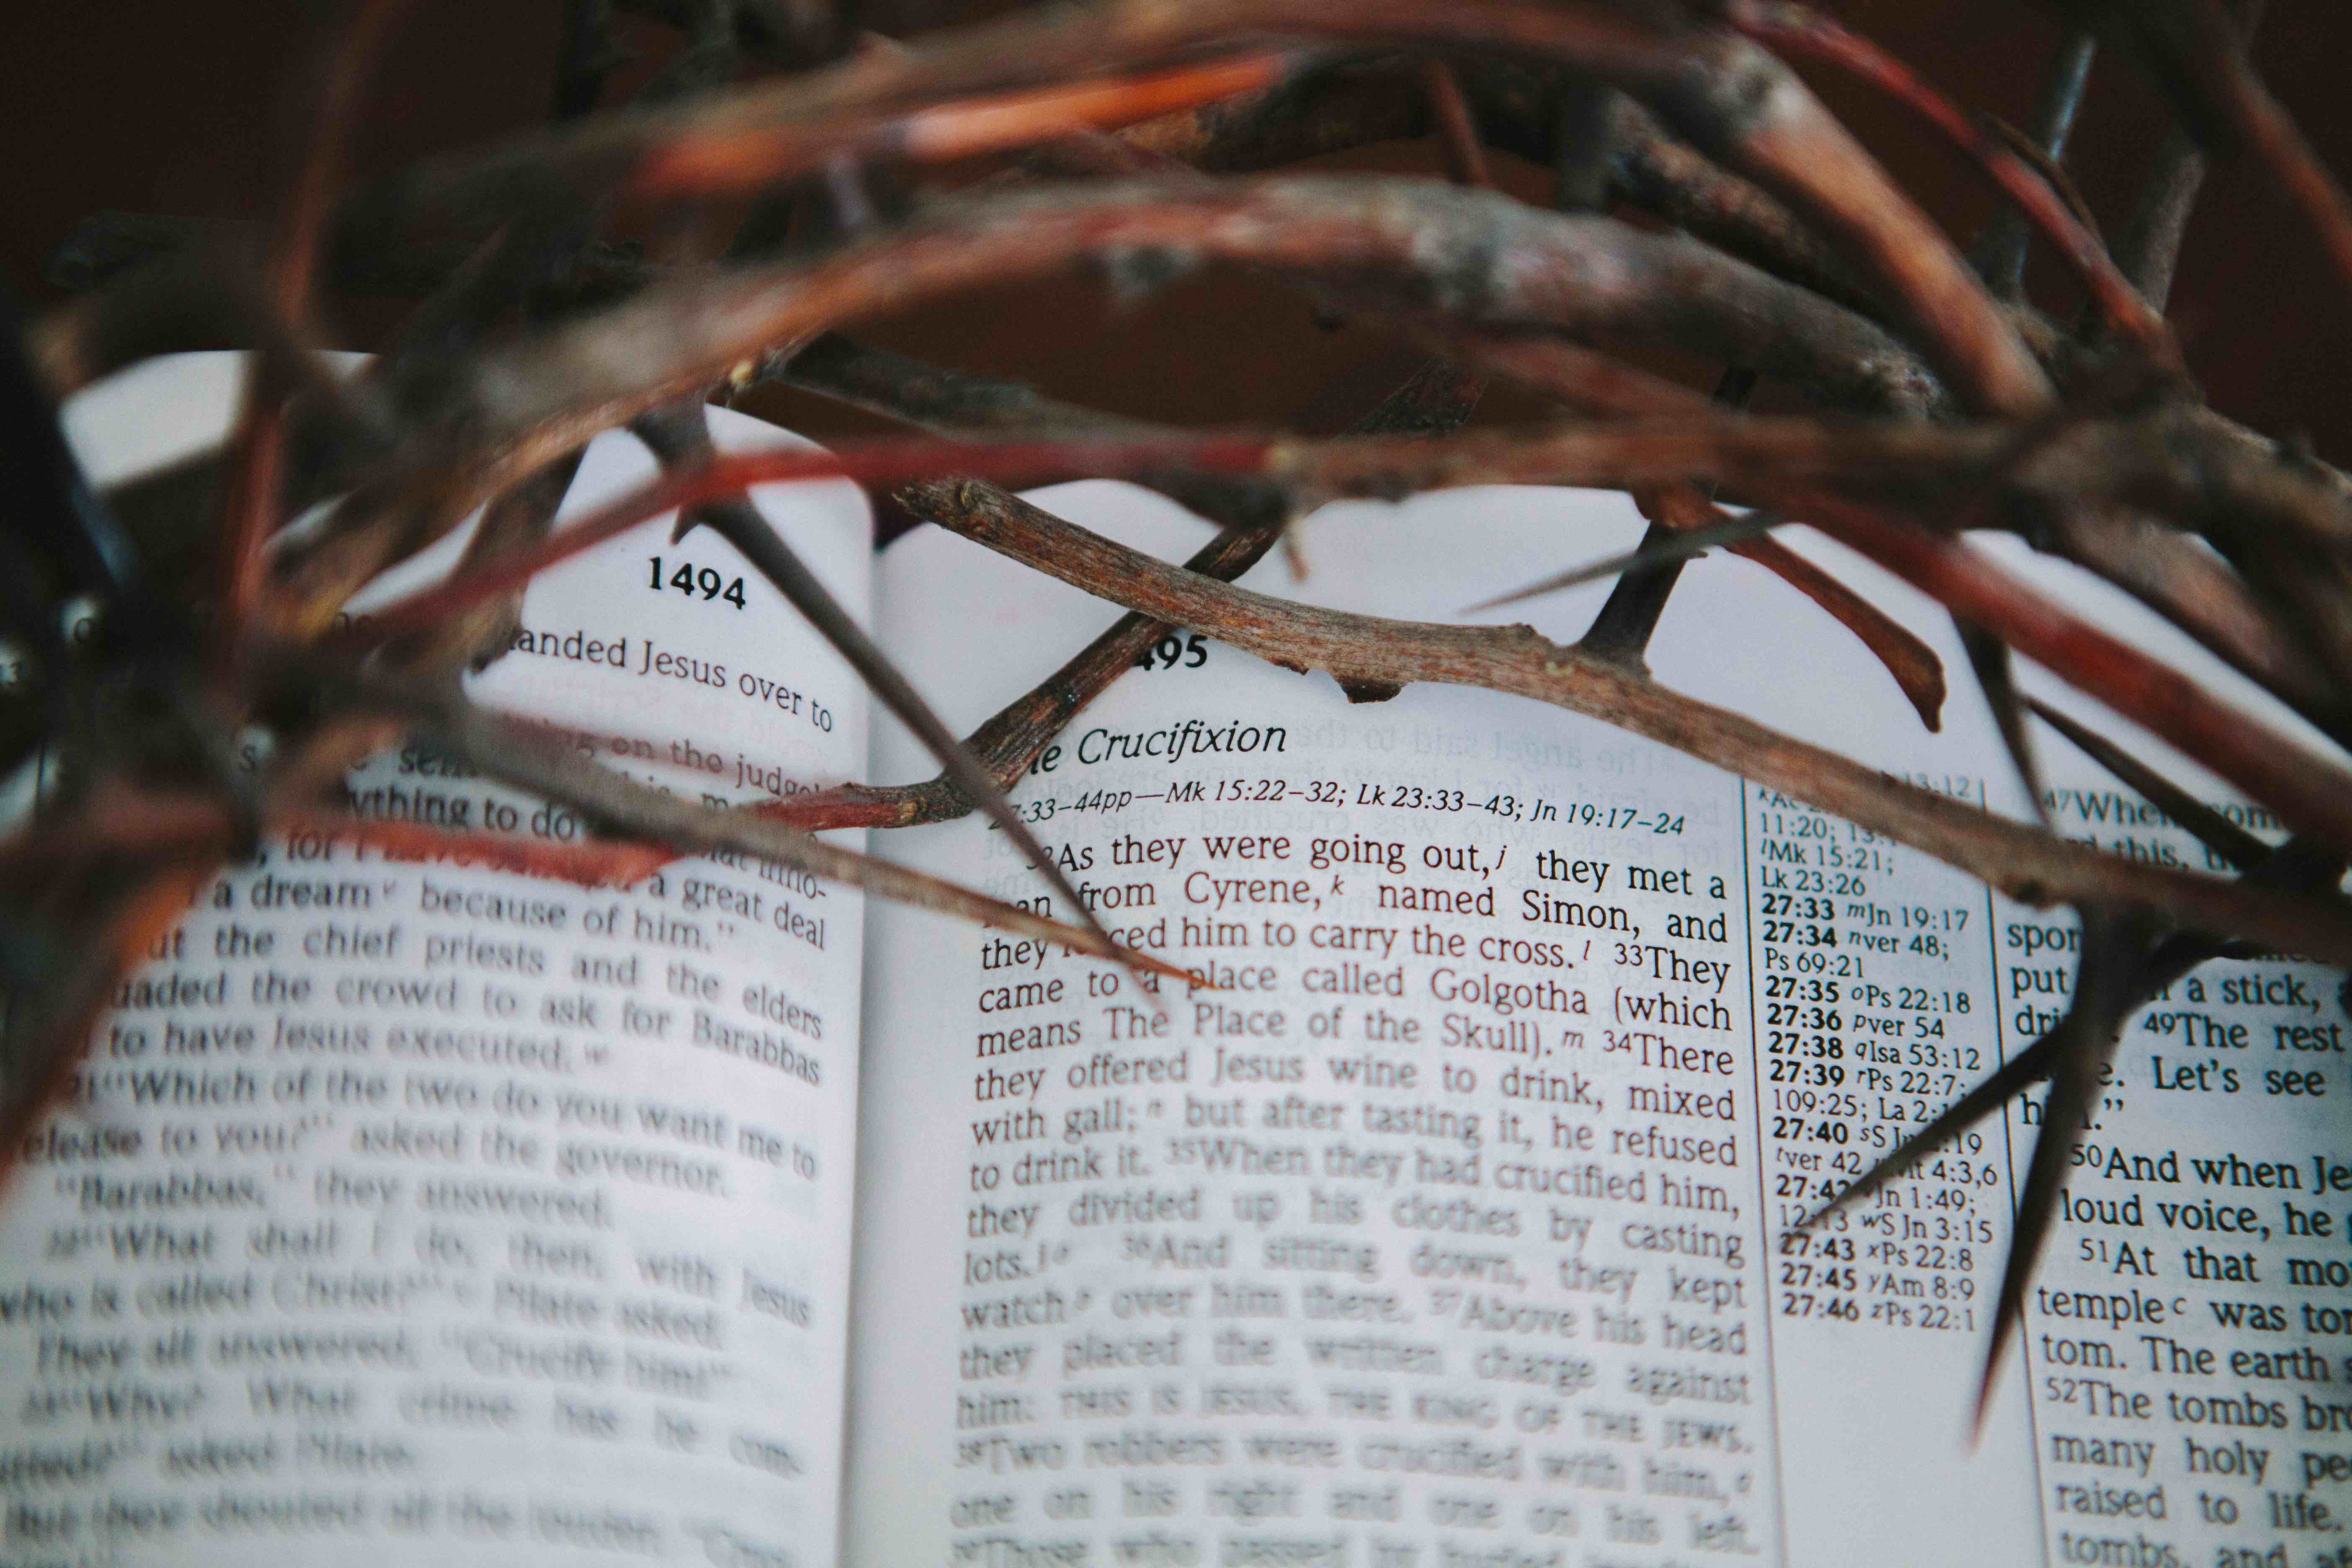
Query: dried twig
{"points": [[1435, 401], [1501, 264], [2000, 251], [734, 159], [2212, 829], [678, 436], [1795, 29], [1465, 160], [1716, 90], [2150, 246], [519, 755], [2032, 867], [2268, 134], [251, 499], [1629, 617], [1804, 261], [2304, 788]]}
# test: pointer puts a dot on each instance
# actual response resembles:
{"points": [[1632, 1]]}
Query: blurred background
{"points": [[183, 110]]}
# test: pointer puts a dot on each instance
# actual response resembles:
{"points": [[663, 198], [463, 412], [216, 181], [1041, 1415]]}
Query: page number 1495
{"points": [[1173, 650]]}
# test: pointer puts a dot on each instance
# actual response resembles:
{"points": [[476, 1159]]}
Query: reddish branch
{"points": [[1476, 255], [2305, 788], [2311, 791], [844, 106], [2034, 866], [516, 754], [678, 435], [1458, 134], [744, 157], [2223, 486], [1720, 92], [969, 407], [1797, 30], [1654, 171], [2196, 591], [193, 835], [1433, 401], [2151, 461], [1315, 113], [1010, 740], [966, 407], [251, 501], [1761, 170], [1999, 253], [893, 463], [2268, 134], [1913, 664]]}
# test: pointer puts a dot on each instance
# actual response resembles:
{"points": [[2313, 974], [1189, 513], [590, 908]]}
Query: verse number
{"points": [[690, 580], [1169, 651]]}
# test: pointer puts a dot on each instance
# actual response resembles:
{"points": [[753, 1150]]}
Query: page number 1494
{"points": [[697, 582]]}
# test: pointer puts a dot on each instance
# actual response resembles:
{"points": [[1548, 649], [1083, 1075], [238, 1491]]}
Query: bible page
{"points": [[412, 1214], [1452, 1228]]}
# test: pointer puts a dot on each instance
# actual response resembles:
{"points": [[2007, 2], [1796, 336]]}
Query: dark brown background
{"points": [[179, 108]]}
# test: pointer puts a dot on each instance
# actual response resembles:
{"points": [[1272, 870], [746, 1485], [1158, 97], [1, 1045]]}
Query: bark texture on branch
{"points": [[1471, 255], [2032, 867]]}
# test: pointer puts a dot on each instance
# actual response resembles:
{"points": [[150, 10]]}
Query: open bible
{"points": [[415, 1213]]}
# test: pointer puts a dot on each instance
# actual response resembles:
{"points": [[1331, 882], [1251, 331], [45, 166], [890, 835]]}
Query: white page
{"points": [[457, 1216], [1423, 1359]]}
